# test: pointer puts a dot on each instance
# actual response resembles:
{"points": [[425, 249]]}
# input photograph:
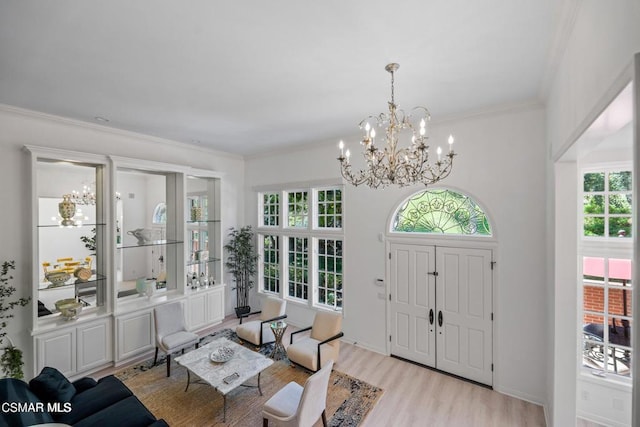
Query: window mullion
{"points": [[313, 271]]}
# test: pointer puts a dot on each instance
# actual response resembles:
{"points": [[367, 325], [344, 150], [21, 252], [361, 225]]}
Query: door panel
{"points": [[451, 353], [459, 340], [464, 291], [412, 296]]}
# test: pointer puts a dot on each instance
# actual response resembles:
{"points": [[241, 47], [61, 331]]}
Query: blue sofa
{"points": [[51, 398]]}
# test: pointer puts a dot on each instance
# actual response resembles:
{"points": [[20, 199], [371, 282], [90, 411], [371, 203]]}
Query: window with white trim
{"points": [[298, 267], [330, 273], [607, 203], [329, 203], [607, 315], [271, 263], [270, 208], [297, 209], [606, 252], [301, 245]]}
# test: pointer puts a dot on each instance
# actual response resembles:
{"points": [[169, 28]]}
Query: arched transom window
{"points": [[441, 212]]}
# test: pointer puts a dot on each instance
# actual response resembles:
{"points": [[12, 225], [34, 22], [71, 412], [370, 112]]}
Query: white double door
{"points": [[441, 308]]}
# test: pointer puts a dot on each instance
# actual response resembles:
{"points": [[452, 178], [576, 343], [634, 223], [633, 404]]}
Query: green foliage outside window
{"points": [[330, 272], [298, 267], [271, 263], [330, 208], [298, 212], [607, 204], [271, 209]]}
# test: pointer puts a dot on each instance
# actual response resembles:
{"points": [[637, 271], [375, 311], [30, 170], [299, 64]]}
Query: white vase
{"points": [[151, 288]]}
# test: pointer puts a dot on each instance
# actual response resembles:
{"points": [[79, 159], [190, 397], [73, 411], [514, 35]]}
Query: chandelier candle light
{"points": [[392, 164], [87, 197]]}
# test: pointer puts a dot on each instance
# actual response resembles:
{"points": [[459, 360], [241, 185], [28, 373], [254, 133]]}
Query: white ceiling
{"points": [[254, 75]]}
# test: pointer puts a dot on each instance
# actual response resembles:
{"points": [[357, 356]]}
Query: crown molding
{"points": [[32, 114]]}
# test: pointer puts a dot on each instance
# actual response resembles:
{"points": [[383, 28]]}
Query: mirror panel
{"points": [[70, 236], [146, 244]]}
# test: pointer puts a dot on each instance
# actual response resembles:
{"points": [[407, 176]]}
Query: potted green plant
{"points": [[242, 261], [11, 359]]}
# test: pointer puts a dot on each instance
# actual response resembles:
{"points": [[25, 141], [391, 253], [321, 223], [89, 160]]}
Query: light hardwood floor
{"points": [[417, 396]]}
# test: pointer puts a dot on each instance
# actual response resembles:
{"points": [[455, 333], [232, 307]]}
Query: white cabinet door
{"points": [[205, 308], [135, 334], [58, 350], [215, 306], [94, 345], [197, 311]]}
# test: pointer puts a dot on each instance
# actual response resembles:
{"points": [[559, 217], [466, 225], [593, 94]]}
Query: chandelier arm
{"points": [[345, 170]]}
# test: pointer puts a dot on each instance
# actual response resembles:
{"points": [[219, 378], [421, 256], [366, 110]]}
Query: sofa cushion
{"points": [[129, 412], [108, 391], [52, 386], [14, 392], [83, 384]]}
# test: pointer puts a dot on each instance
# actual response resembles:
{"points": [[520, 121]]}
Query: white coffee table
{"points": [[246, 363]]}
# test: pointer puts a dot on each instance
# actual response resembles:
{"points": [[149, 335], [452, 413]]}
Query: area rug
{"points": [[348, 401]]}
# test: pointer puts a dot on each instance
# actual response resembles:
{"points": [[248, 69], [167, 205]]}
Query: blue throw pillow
{"points": [[52, 386]]}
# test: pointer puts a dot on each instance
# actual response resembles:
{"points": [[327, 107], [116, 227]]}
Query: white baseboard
{"points": [[519, 395], [366, 346]]}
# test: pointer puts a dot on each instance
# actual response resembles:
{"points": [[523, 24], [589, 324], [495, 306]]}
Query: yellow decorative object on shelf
{"points": [[45, 267]]}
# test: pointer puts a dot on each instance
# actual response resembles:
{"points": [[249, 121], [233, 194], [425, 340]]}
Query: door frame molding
{"points": [[436, 240]]}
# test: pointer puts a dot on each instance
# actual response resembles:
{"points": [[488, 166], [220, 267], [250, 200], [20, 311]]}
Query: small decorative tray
{"points": [[222, 354]]}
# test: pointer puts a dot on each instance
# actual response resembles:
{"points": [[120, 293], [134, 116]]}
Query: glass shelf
{"points": [[150, 243], [72, 282], [83, 225], [203, 261], [203, 221]]}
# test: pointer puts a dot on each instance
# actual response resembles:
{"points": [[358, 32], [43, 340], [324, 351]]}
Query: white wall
{"points": [[20, 127], [501, 163], [594, 66]]}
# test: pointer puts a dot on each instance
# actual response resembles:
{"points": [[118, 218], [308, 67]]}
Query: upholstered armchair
{"points": [[258, 332], [296, 406], [171, 332], [322, 344]]}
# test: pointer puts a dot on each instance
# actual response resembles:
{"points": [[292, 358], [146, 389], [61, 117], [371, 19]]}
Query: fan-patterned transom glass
{"points": [[441, 212]]}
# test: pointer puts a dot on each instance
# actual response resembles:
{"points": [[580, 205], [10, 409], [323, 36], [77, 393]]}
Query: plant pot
{"points": [[240, 311]]}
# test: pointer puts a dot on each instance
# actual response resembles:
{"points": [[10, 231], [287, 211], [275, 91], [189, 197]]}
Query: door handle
{"points": [[431, 316], [440, 318]]}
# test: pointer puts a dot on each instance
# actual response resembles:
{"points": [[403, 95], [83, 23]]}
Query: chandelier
{"points": [[87, 197], [393, 164]]}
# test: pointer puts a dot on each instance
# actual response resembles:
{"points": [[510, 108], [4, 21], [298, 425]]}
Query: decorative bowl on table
{"points": [[222, 354]]}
